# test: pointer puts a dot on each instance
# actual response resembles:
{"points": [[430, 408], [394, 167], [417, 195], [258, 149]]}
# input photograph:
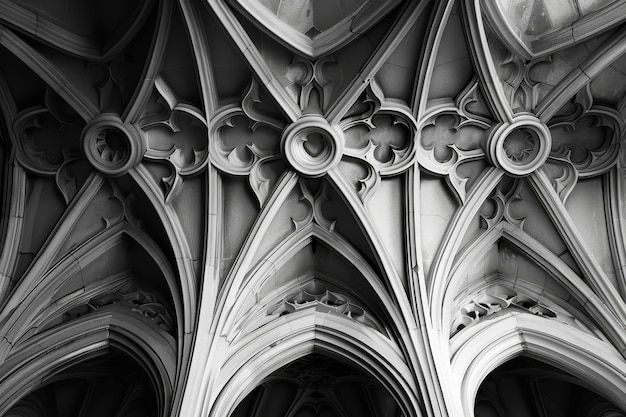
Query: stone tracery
{"points": [[331, 132]]}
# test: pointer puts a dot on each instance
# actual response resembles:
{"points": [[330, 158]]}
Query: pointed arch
{"points": [[545, 259], [489, 344], [35, 298], [286, 251], [298, 334], [439, 21], [146, 83], [51, 247], [45, 355]]}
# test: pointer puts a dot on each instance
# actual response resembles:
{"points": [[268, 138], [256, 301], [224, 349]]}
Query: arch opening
{"points": [[524, 387], [319, 385], [109, 384]]}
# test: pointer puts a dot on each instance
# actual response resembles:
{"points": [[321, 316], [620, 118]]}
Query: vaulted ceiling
{"points": [[391, 200]]}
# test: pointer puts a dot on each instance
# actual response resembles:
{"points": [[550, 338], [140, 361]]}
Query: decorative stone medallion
{"points": [[112, 146], [520, 147], [312, 146]]}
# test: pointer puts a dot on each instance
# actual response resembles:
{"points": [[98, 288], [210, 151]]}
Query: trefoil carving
{"points": [[141, 302], [493, 301], [176, 133], [316, 295], [501, 201], [244, 138], [381, 135], [313, 77], [315, 201], [47, 143]]}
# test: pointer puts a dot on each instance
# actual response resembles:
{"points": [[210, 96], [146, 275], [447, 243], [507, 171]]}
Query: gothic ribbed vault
{"points": [[313, 208]]}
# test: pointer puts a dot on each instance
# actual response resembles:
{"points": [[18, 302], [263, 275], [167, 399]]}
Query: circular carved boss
{"points": [[520, 147], [312, 146], [112, 146]]}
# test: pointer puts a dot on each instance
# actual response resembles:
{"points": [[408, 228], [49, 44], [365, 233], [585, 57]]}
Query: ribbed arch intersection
{"points": [[267, 207]]}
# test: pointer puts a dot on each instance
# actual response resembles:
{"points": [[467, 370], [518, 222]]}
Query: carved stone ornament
{"points": [[176, 134], [587, 135], [453, 133], [320, 76], [312, 146], [493, 301], [585, 142], [580, 141], [520, 147], [112, 146], [140, 302], [314, 213], [382, 135], [501, 200], [316, 295], [35, 127], [243, 135], [49, 145]]}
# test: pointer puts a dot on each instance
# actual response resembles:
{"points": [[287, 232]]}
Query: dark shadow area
{"points": [[111, 385], [525, 387], [317, 385]]}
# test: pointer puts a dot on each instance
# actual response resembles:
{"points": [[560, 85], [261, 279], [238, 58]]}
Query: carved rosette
{"points": [[520, 147], [248, 137], [312, 146], [112, 146]]}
